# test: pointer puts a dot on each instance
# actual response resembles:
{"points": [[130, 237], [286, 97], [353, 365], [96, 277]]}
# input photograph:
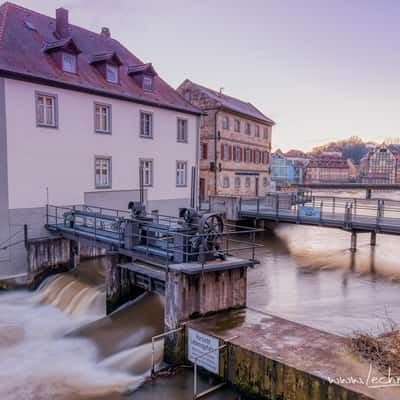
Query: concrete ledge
{"points": [[273, 358]]}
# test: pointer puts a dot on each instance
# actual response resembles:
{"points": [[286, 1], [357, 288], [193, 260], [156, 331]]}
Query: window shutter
{"points": [[222, 152], [240, 154], [230, 152], [205, 151]]}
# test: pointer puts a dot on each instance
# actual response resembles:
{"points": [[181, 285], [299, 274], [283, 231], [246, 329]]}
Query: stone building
{"points": [[235, 143], [326, 169]]}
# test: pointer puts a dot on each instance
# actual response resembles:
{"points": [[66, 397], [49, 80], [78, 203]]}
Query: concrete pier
{"points": [[373, 239], [193, 296], [353, 241], [272, 358]]}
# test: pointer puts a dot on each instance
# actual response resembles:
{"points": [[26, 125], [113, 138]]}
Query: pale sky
{"points": [[321, 69]]}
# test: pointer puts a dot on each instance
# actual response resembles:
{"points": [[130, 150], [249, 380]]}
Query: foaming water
{"points": [[43, 359]]}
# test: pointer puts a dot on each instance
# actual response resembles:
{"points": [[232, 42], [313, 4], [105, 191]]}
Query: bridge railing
{"points": [[325, 209]]}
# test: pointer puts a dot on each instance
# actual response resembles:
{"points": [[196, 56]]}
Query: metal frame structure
{"points": [[351, 214]]}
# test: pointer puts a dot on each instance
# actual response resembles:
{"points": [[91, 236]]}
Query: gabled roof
{"points": [[102, 57], [66, 43], [232, 103], [23, 35], [142, 68]]}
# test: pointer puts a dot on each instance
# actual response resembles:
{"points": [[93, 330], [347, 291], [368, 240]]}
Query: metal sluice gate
{"points": [[194, 238]]}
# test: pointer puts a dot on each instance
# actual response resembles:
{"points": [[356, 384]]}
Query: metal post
{"points": [[141, 184], [156, 337], [26, 236], [47, 215], [355, 206], [333, 205], [320, 212], [193, 188]]}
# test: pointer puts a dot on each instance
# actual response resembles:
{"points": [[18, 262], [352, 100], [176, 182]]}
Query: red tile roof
{"points": [[233, 104], [328, 162], [23, 35]]}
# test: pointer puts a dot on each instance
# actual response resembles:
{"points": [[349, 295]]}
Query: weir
{"points": [[192, 259]]}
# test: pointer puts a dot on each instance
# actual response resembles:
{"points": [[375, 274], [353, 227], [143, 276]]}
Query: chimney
{"points": [[62, 23], [105, 32]]}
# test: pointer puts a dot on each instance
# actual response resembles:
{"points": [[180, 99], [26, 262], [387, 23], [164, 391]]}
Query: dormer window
{"points": [[69, 63], [143, 75], [108, 65], [148, 83], [112, 73]]}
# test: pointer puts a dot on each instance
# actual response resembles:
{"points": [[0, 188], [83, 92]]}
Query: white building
{"points": [[78, 114]]}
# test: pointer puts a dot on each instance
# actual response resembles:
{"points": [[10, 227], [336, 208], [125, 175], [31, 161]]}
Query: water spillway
{"points": [[58, 343]]}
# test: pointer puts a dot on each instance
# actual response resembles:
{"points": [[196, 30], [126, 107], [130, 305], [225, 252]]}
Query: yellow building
{"points": [[235, 143]]}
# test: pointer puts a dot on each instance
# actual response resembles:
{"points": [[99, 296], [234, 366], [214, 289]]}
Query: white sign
{"points": [[199, 343]]}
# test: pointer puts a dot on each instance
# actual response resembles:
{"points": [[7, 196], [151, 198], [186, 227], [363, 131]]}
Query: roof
{"points": [[25, 33], [328, 162], [232, 103]]}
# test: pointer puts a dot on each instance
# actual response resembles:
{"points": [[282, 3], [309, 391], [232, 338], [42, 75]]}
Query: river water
{"points": [[58, 343]]}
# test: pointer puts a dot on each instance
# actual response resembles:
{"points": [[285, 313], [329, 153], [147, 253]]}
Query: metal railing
{"points": [[327, 210], [162, 232], [197, 395]]}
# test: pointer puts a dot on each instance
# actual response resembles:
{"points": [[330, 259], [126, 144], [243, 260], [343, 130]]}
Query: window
{"points": [[146, 124], [225, 155], [112, 73], [148, 83], [237, 153], [237, 182], [257, 157], [247, 155], [202, 122], [46, 110], [102, 118], [265, 133], [248, 182], [226, 182], [265, 181], [248, 128], [257, 131], [181, 173], [69, 63], [103, 172], [204, 151], [147, 166], [226, 123], [237, 125], [182, 130]]}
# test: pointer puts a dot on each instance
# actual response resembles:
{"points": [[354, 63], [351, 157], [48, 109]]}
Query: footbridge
{"points": [[368, 187], [350, 214]]}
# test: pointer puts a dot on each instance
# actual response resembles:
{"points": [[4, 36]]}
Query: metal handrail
{"points": [[195, 366]]}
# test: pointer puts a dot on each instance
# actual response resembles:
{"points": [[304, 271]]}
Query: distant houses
{"points": [[382, 165]]}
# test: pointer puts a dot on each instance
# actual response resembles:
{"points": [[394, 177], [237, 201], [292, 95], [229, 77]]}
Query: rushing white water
{"points": [[40, 359]]}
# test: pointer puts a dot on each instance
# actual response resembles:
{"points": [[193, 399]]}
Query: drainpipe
{"points": [[215, 151]]}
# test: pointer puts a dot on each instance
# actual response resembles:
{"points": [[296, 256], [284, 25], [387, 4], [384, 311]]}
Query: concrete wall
{"points": [[117, 199], [190, 296], [62, 159]]}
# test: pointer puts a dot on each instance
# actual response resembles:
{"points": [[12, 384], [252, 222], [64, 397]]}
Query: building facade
{"points": [[380, 166], [79, 114], [283, 170], [235, 144], [327, 169]]}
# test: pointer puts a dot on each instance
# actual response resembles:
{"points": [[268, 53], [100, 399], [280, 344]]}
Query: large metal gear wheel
{"points": [[211, 229]]}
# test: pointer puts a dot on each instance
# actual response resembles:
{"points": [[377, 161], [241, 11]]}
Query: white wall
{"points": [[63, 159]]}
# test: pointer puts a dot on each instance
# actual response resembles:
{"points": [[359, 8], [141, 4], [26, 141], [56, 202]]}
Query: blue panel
{"points": [[310, 212]]}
